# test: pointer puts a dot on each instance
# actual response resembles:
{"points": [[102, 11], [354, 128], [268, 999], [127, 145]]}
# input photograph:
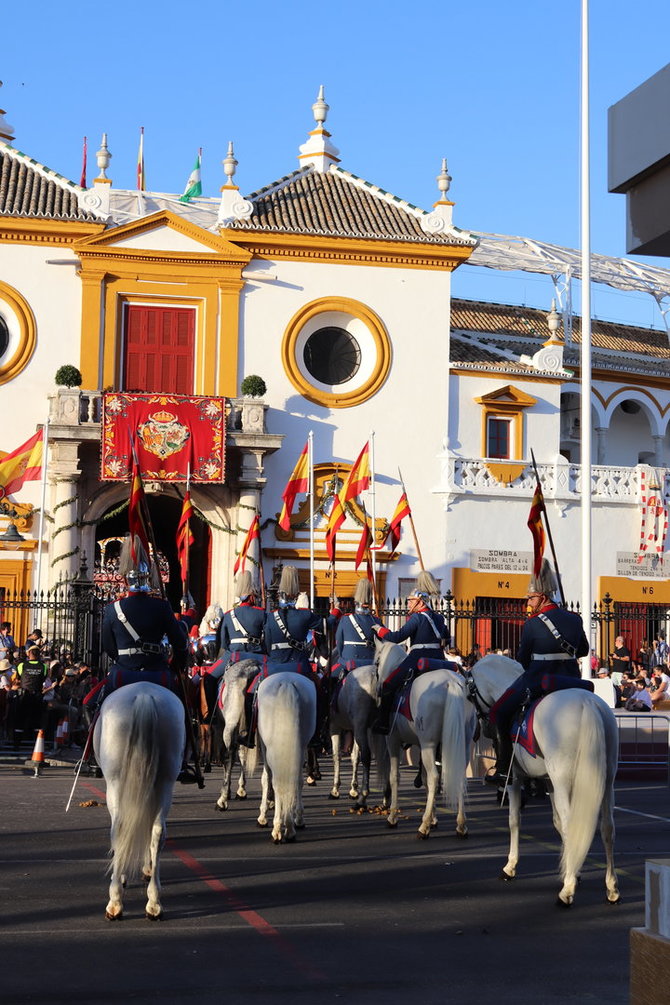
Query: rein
{"points": [[482, 707]]}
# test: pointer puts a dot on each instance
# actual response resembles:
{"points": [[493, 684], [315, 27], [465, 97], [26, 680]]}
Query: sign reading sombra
{"points": [[501, 561]]}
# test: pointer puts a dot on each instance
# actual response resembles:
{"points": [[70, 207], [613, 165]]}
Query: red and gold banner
{"points": [[169, 431]]}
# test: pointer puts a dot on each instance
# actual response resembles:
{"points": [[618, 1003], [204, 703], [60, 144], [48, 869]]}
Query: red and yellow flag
{"points": [[358, 479], [184, 536], [401, 511], [253, 534], [363, 545], [22, 465], [536, 527], [335, 521], [297, 483], [136, 512]]}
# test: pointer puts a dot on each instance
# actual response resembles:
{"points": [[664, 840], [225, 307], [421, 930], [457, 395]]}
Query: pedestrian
{"points": [[7, 643], [620, 657], [31, 673]]}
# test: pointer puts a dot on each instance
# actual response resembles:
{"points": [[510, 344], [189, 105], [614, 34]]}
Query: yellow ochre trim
{"points": [[380, 337], [506, 403], [37, 231], [629, 591], [27, 332]]}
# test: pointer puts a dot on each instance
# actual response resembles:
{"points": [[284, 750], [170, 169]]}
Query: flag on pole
{"points": [[536, 527], [82, 180], [297, 483], [401, 511], [194, 183], [137, 507], [253, 534], [140, 163], [335, 521], [22, 465], [364, 545], [358, 478], [184, 536]]}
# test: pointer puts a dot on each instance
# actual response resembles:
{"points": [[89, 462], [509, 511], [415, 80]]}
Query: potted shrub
{"points": [[68, 376], [253, 386]]}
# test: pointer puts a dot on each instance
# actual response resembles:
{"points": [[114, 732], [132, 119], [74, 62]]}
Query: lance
{"points": [[543, 509], [181, 670], [411, 523], [186, 572], [260, 561]]}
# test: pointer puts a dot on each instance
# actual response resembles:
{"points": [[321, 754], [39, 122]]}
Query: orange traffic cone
{"points": [[58, 738], [65, 732], [38, 753]]}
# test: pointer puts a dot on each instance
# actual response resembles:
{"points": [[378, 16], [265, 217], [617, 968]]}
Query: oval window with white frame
{"points": [[18, 333], [336, 352]]}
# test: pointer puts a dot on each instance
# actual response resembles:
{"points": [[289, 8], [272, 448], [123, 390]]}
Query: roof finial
{"points": [[103, 157], [318, 152], [229, 164], [443, 179], [232, 205], [7, 131]]}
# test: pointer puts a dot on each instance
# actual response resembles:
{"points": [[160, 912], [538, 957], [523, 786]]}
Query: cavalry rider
{"points": [[137, 630], [288, 628], [427, 634], [354, 637], [240, 635], [551, 641]]}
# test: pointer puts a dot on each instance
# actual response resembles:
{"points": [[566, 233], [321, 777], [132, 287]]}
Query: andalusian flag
{"points": [[335, 521], [401, 511], [297, 483], [194, 183], [22, 465], [137, 507], [358, 479], [140, 165], [536, 527], [184, 536], [253, 534]]}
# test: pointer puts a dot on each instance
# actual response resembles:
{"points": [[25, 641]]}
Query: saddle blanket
{"points": [[120, 676], [526, 735]]}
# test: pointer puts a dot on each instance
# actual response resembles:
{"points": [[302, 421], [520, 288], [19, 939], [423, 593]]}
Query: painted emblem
{"points": [[162, 434]]}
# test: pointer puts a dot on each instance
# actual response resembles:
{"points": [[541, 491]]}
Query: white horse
{"points": [[139, 741], [441, 717], [576, 733], [234, 682], [286, 723], [356, 704]]}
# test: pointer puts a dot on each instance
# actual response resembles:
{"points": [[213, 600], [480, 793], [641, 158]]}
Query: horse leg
{"points": [[514, 797], [355, 761], [394, 778], [561, 805], [262, 820], [607, 835], [335, 744], [366, 757], [224, 796], [429, 820], [153, 909], [241, 791]]}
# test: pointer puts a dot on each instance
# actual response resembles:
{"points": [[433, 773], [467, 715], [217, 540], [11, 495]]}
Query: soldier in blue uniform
{"points": [[287, 629], [552, 640], [427, 634], [241, 630], [354, 637]]}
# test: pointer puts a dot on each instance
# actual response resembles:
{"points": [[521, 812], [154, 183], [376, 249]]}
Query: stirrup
{"points": [[496, 776], [187, 775]]}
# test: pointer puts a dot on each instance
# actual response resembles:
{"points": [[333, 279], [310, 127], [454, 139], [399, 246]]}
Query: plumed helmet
{"points": [[363, 594], [302, 603], [289, 584], [426, 588], [545, 581], [137, 570], [244, 585]]}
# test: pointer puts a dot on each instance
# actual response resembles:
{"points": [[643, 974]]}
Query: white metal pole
{"points": [[310, 462], [585, 459], [373, 506], [45, 447]]}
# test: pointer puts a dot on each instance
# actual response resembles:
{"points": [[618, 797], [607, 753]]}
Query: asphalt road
{"points": [[352, 912]]}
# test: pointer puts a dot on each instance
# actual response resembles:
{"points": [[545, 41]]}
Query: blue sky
{"points": [[492, 86]]}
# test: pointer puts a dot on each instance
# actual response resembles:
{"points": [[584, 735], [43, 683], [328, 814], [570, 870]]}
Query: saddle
{"points": [[120, 676], [524, 718]]}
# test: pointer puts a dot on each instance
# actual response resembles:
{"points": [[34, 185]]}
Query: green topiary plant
{"points": [[254, 386], [68, 376]]}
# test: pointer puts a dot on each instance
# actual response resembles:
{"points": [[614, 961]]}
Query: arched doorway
{"points": [[165, 511]]}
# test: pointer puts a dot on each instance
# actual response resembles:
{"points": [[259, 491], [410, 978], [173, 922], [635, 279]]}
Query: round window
{"points": [[4, 336], [332, 355]]}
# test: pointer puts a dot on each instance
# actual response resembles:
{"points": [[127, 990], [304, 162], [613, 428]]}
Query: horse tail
{"points": [[588, 789], [454, 757], [285, 749], [137, 797], [380, 752]]}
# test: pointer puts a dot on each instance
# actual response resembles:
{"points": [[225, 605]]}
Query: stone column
{"points": [[64, 536], [658, 451], [601, 443]]}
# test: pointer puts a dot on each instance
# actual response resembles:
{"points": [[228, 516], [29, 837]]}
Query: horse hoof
{"points": [[240, 795], [146, 877], [463, 835], [421, 836], [311, 781], [113, 917], [300, 827], [154, 917], [392, 823], [207, 769], [290, 840], [505, 876], [262, 826], [613, 902], [220, 808], [333, 795], [563, 903]]}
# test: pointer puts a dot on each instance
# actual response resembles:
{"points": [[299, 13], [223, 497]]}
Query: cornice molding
{"points": [[38, 231]]}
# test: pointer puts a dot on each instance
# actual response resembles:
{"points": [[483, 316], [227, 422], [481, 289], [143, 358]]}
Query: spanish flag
{"points": [[137, 508], [401, 511], [364, 544], [536, 527], [297, 483], [22, 465], [335, 521], [358, 479], [184, 536], [253, 534]]}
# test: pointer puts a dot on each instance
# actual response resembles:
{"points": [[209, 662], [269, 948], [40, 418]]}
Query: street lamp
{"points": [[11, 538]]}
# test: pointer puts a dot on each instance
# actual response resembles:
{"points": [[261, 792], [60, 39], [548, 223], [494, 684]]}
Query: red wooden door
{"points": [[158, 349]]}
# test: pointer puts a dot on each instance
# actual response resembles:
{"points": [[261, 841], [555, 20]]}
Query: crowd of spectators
{"points": [[641, 678]]}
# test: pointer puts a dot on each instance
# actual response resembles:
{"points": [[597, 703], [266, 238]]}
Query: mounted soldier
{"points": [[240, 634], [354, 637], [552, 640], [427, 634]]}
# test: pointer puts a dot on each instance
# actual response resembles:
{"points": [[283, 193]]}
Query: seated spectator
{"points": [[640, 701], [659, 689]]}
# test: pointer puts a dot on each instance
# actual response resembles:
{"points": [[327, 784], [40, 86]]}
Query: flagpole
{"points": [[187, 563], [310, 462], [549, 534], [585, 358], [373, 509], [411, 523], [45, 443], [260, 560]]}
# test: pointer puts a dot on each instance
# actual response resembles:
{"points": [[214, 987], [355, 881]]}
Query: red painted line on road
{"points": [[245, 912]]}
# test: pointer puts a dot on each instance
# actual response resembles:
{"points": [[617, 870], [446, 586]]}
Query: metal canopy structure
{"points": [[499, 251]]}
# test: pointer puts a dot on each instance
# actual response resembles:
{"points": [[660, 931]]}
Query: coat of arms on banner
{"points": [[171, 434]]}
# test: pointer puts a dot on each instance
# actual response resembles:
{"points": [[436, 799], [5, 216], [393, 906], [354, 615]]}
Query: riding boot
{"points": [[382, 722], [247, 736], [504, 752]]}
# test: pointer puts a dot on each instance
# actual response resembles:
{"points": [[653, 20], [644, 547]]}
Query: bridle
{"points": [[474, 695]]}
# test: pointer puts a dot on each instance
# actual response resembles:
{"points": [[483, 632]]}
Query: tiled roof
{"points": [[472, 353], [28, 189], [336, 203]]}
